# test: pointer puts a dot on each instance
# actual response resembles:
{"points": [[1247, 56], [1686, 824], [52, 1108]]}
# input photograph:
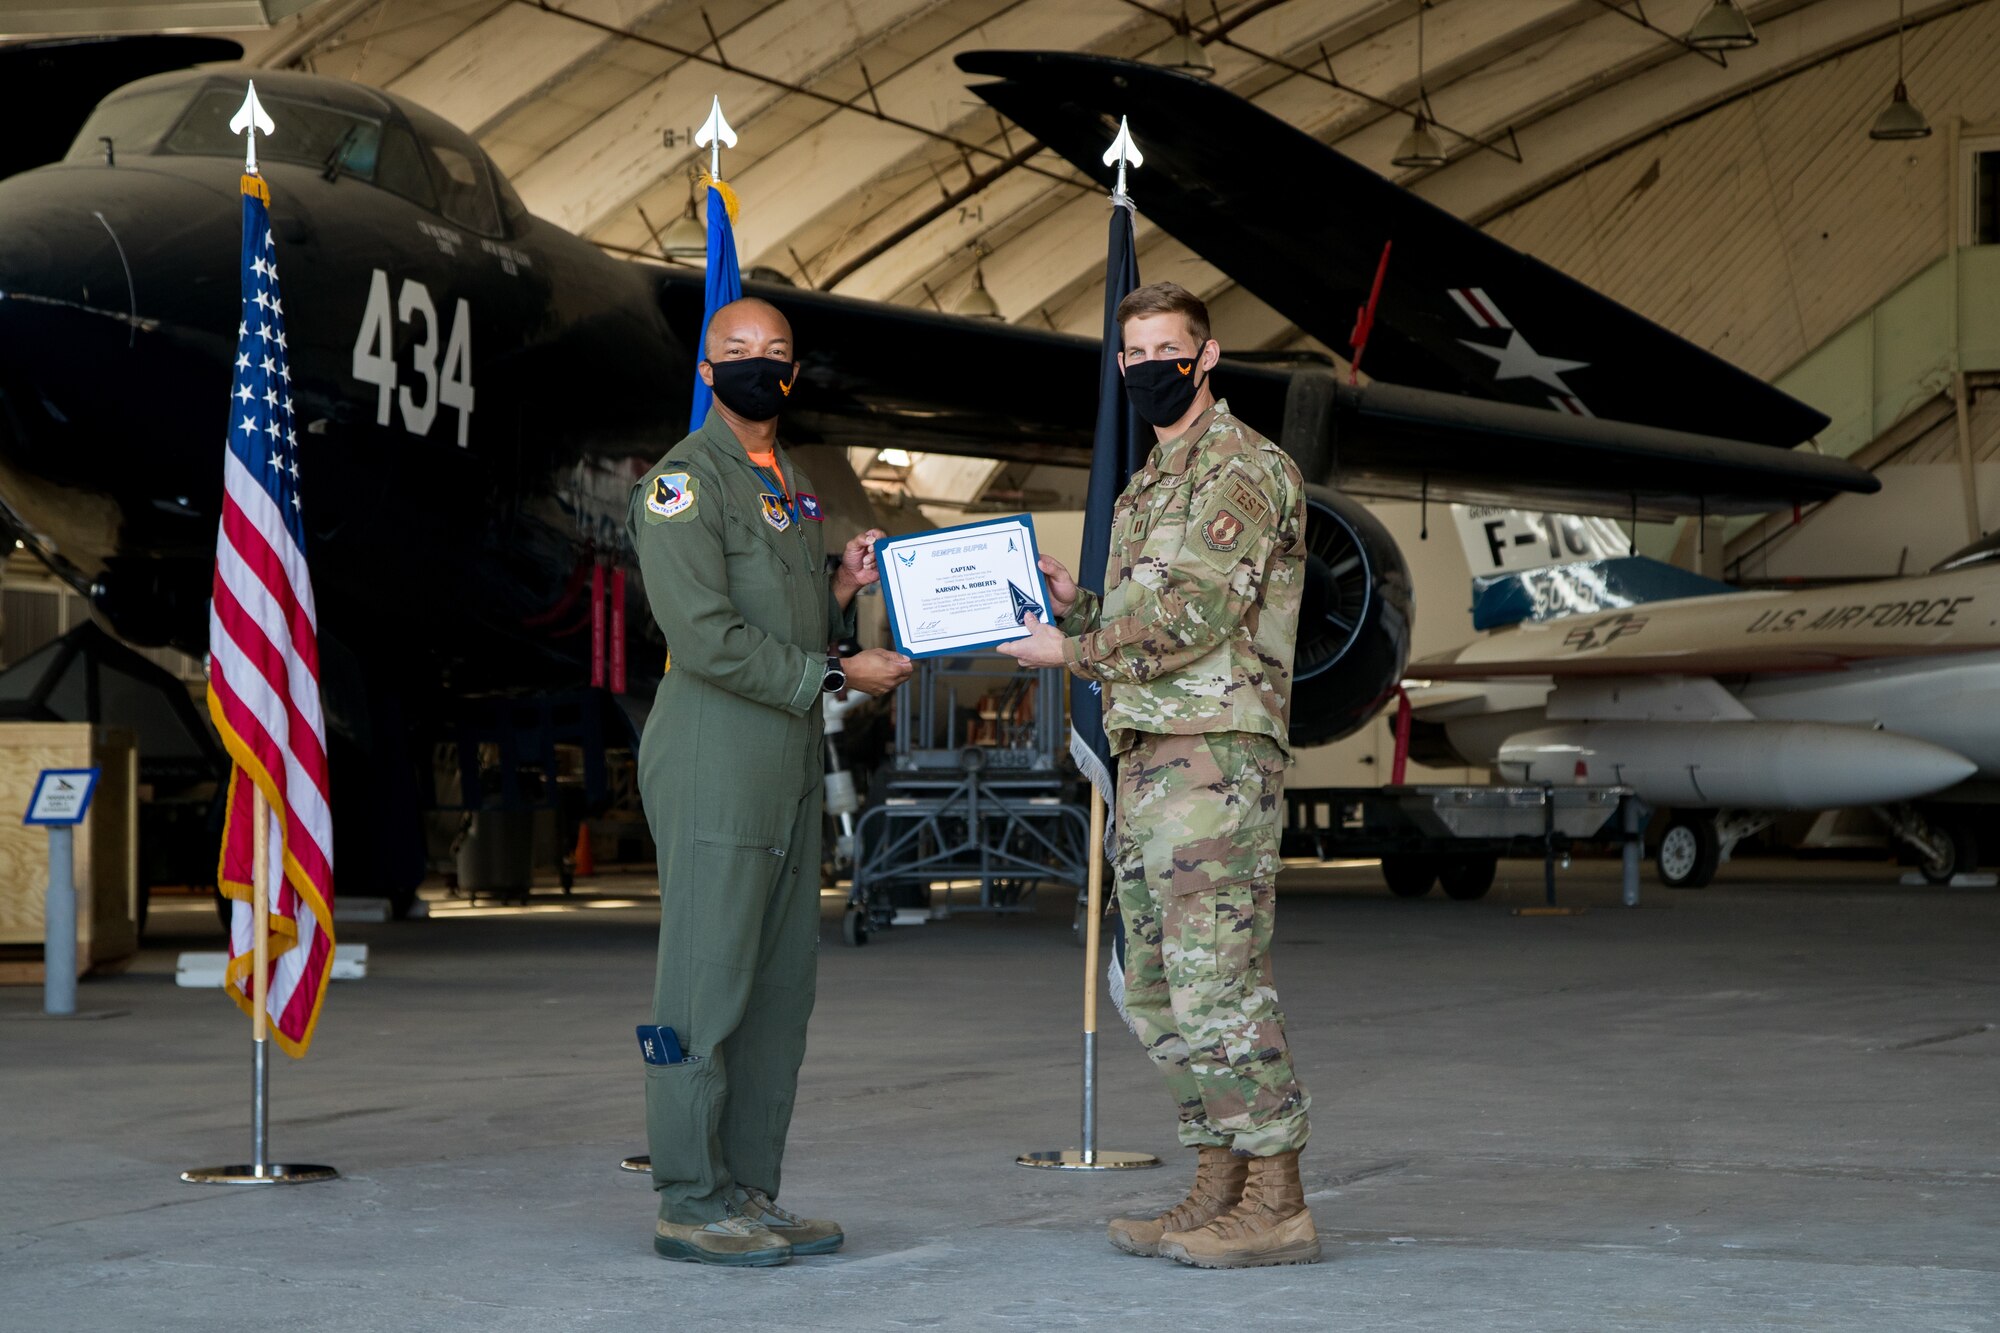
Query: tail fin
{"points": [[1505, 541]]}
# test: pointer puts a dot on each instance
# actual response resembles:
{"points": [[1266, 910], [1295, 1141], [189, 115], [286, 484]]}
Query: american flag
{"points": [[263, 684]]}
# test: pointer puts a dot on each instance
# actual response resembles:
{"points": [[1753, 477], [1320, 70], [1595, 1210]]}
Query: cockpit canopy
{"points": [[1985, 551], [341, 129]]}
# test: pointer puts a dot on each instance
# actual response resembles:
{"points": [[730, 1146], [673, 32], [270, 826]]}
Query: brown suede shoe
{"points": [[1270, 1225], [1218, 1184]]}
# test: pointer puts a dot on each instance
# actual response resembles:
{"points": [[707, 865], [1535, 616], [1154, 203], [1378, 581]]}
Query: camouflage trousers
{"points": [[1198, 823]]}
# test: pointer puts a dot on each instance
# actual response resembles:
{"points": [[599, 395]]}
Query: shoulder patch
{"points": [[669, 497], [1222, 531]]}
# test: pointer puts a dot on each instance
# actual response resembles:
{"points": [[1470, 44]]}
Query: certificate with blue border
{"points": [[960, 589]]}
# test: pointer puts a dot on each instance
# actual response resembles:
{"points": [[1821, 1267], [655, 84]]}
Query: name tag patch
{"points": [[809, 507], [774, 512], [670, 496]]}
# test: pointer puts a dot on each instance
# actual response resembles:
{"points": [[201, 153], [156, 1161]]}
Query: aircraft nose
{"points": [[103, 273]]}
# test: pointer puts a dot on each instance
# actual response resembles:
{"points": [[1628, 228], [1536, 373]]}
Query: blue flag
{"points": [[725, 284], [1118, 450]]}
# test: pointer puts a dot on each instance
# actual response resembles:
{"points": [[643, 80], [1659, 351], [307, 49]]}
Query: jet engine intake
{"points": [[1354, 621]]}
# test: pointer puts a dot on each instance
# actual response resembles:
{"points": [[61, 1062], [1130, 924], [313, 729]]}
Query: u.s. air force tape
{"points": [[670, 497]]}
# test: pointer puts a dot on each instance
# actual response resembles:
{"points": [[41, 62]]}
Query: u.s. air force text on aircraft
{"points": [[1937, 612]]}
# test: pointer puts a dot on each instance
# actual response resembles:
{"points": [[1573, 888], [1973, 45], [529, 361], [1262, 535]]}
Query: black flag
{"points": [[1115, 455]]}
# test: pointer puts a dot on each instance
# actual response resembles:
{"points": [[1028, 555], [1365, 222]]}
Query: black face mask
{"points": [[1163, 389], [754, 387]]}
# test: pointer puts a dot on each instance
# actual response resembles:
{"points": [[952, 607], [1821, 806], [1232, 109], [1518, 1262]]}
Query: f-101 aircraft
{"points": [[478, 388]]}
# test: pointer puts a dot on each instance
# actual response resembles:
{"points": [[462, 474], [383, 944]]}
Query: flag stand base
{"points": [[260, 1172], [1075, 1159], [637, 1164], [272, 1173]]}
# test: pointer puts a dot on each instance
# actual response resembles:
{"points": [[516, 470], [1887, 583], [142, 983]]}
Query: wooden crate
{"points": [[107, 845]]}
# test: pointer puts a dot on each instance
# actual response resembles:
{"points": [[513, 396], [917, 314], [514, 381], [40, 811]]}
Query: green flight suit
{"points": [[730, 771]]}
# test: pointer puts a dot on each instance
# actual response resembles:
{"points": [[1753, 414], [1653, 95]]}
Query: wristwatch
{"points": [[835, 680]]}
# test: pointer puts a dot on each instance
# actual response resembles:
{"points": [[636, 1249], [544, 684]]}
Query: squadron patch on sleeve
{"points": [[1223, 531], [671, 496]]}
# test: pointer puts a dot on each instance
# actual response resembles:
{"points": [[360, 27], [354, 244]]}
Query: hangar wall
{"points": [[1761, 228]]}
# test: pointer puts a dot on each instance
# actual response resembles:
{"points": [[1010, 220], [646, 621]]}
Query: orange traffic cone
{"points": [[586, 864]]}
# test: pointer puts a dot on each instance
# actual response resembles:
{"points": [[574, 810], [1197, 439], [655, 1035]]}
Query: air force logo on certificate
{"points": [[963, 588]]}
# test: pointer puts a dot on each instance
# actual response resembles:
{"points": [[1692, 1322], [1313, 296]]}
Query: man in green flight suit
{"points": [[730, 540], [1192, 644]]}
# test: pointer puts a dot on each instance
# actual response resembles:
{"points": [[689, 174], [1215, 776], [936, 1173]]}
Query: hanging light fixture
{"points": [[1185, 53], [1723, 27], [978, 303], [685, 237], [1420, 148], [1900, 119]]}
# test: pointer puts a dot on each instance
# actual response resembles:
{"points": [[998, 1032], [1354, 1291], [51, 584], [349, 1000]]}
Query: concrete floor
{"points": [[1766, 1106]]}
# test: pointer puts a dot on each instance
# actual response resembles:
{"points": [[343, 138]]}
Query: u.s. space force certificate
{"points": [[959, 589]]}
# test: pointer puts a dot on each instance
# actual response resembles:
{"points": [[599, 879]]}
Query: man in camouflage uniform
{"points": [[1192, 644]]}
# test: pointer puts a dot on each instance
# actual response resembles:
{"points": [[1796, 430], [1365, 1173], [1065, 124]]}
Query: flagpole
{"points": [[260, 1170], [1093, 931], [1123, 153], [250, 121], [722, 282], [260, 984]]}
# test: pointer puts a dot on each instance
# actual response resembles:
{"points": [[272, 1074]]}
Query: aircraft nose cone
{"points": [[103, 271]]}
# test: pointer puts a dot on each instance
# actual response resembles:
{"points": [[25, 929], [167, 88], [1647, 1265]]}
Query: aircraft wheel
{"points": [[1690, 852], [854, 926], [1465, 878], [1961, 853], [1408, 875]]}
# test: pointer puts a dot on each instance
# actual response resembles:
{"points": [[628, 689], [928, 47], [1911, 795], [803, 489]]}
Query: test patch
{"points": [[1248, 500], [671, 496]]}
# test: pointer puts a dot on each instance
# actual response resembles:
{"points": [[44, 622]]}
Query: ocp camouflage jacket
{"points": [[1200, 614]]}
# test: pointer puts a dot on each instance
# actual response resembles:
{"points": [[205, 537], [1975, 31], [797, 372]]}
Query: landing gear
{"points": [[1944, 845], [1409, 875], [1690, 852], [1697, 842]]}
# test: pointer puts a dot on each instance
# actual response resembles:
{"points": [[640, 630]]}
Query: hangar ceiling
{"points": [[867, 168]]}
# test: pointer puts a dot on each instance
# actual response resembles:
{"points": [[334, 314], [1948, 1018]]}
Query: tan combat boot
{"points": [[1271, 1225], [804, 1234], [1218, 1184]]}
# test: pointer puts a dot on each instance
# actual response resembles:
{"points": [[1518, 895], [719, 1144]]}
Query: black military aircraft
{"points": [[477, 389]]}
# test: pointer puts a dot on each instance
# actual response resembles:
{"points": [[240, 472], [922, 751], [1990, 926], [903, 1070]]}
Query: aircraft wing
{"points": [[1749, 633], [48, 88], [1302, 227], [879, 375]]}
